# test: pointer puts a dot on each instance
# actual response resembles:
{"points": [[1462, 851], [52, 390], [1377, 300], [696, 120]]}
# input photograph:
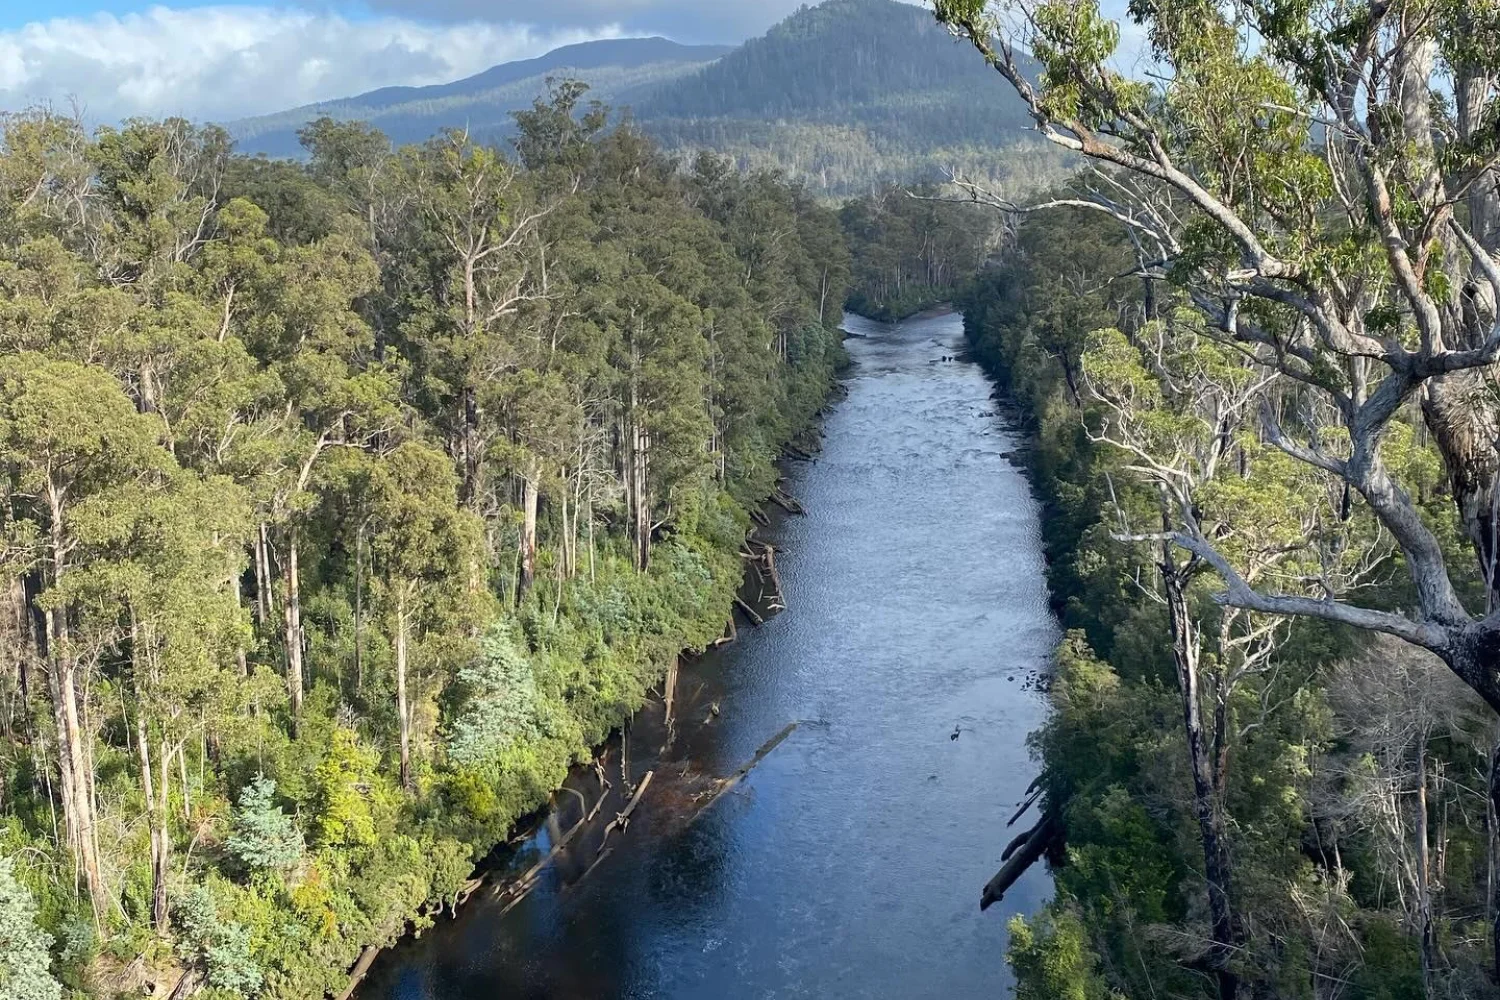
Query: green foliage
{"points": [[24, 955], [501, 702], [1304, 763], [912, 249], [222, 947], [1052, 960], [306, 465], [264, 837]]}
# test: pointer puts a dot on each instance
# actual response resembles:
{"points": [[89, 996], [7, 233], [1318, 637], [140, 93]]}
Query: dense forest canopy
{"points": [[346, 504], [1294, 419]]}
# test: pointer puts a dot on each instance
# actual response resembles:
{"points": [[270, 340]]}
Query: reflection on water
{"points": [[849, 863]]}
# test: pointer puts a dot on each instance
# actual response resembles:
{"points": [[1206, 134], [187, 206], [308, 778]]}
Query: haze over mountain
{"points": [[618, 71], [844, 96]]}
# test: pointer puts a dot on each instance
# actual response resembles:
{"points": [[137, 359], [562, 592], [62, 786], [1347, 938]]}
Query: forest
{"points": [[347, 503], [1254, 345]]}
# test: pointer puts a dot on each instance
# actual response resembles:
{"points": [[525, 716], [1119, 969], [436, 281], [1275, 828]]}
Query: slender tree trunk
{"points": [[65, 773], [359, 610], [1424, 873], [263, 596], [156, 821], [471, 458], [78, 778], [81, 785], [292, 619], [1206, 807], [529, 500], [403, 711], [1493, 825]]}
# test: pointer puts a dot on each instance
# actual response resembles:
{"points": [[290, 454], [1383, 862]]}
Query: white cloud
{"points": [[225, 62]]}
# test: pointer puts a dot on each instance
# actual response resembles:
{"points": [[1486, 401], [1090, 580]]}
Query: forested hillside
{"points": [[846, 97], [1256, 344], [914, 249], [346, 504], [617, 71]]}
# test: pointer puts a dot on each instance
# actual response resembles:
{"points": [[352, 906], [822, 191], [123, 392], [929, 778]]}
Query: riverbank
{"points": [[904, 627]]}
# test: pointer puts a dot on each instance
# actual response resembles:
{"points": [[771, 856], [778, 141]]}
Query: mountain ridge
{"points": [[653, 57], [846, 96]]}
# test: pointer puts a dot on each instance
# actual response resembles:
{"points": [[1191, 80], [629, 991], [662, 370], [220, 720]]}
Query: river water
{"points": [[849, 863]]}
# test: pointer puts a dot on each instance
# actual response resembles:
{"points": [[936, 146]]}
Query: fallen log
{"points": [[760, 518], [1022, 854], [750, 612], [1014, 845], [787, 502], [725, 784], [604, 790], [669, 692], [778, 597], [1033, 794], [465, 891], [598, 860], [358, 973], [622, 820], [730, 634], [797, 454], [522, 884], [519, 899]]}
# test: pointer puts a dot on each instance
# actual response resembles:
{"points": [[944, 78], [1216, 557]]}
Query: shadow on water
{"points": [[849, 863]]}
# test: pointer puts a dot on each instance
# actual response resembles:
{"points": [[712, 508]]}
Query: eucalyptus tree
{"points": [[159, 556], [1177, 406], [422, 541], [475, 253], [1326, 210], [71, 443], [1319, 181]]}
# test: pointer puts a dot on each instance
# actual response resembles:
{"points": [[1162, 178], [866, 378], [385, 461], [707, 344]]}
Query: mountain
{"points": [[618, 70], [848, 95], [845, 96]]}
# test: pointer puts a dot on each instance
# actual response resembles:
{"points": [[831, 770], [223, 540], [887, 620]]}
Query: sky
{"points": [[219, 61], [229, 59]]}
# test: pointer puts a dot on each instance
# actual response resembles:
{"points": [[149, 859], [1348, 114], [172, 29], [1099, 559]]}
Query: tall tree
{"points": [[1299, 173]]}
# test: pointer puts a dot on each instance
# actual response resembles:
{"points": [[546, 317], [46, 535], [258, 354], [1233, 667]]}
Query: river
{"points": [[849, 862]]}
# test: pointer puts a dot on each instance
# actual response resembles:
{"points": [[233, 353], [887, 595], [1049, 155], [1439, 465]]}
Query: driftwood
{"points": [[760, 518], [464, 892], [798, 453], [730, 634], [670, 687], [598, 860], [622, 820], [787, 502], [358, 973], [519, 899], [1024, 852], [604, 794], [1015, 845], [750, 612], [723, 785], [523, 884], [778, 598], [1033, 794], [669, 693]]}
